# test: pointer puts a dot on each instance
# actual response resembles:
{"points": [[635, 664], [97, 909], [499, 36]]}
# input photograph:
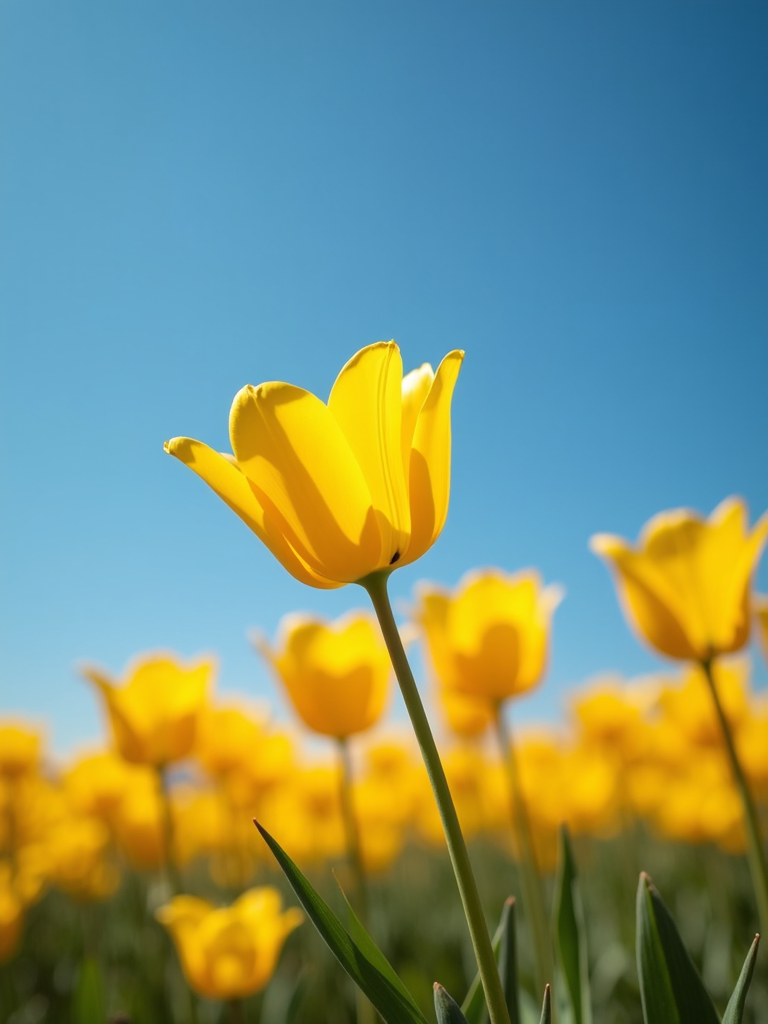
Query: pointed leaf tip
{"points": [[546, 1009], [447, 1009], [734, 1012]]}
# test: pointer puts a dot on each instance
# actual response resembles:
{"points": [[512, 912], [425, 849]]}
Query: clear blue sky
{"points": [[199, 195]]}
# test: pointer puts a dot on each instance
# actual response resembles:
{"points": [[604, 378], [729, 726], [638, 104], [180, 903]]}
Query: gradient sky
{"points": [[199, 195]]}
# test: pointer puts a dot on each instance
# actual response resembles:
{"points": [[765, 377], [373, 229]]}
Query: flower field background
{"points": [[95, 849]]}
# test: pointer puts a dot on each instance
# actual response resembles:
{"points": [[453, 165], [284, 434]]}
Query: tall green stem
{"points": [[365, 1011], [529, 874], [755, 851], [351, 831], [376, 586], [171, 865]]}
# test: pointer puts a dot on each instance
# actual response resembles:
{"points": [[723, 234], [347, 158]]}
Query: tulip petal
{"points": [[416, 387], [366, 401], [430, 465], [649, 603], [306, 478], [226, 479]]}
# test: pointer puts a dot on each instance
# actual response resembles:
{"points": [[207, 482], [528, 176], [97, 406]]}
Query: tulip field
{"points": [[204, 862]]}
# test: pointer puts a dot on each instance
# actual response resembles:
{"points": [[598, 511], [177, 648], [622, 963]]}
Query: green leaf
{"points": [[570, 933], [360, 936], [473, 1007], [508, 960], [735, 1009], [670, 987], [393, 1001], [447, 1009], [89, 999], [546, 1009]]}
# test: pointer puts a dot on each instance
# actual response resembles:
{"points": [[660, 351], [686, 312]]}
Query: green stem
{"points": [[755, 852], [236, 1014], [351, 831], [376, 586], [365, 1011], [172, 868], [529, 872]]}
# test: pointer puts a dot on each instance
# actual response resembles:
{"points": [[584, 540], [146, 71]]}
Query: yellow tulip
{"points": [[229, 952], [227, 738], [339, 490], [154, 714], [76, 859], [96, 783], [685, 588], [11, 915], [466, 716], [307, 815], [489, 638], [336, 674], [760, 602], [19, 749], [689, 706], [139, 827]]}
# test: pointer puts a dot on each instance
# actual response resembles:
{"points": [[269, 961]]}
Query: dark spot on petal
{"points": [[394, 558]]}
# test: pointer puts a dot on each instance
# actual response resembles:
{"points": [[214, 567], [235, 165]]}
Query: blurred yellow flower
{"points": [[489, 638], [76, 859], [760, 602], [96, 784], [689, 706], [465, 716], [11, 915], [341, 490], [686, 587], [336, 674], [229, 952], [20, 748], [154, 714], [227, 737]]}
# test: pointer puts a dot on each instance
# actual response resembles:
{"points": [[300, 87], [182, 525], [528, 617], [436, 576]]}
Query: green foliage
{"points": [[359, 956], [570, 933], [89, 1004], [447, 1009], [734, 1013], [670, 987]]}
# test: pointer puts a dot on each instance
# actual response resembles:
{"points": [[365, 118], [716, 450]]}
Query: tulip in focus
{"points": [[685, 587], [154, 714], [229, 952], [336, 674], [340, 490], [490, 637]]}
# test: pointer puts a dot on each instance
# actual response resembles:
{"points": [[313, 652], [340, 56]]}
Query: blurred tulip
{"points": [[154, 714], [139, 825], [97, 783], [77, 861], [489, 638], [760, 602], [20, 748], [689, 706], [341, 490], [306, 813], [336, 674], [468, 717], [11, 915], [227, 737], [229, 952], [686, 587]]}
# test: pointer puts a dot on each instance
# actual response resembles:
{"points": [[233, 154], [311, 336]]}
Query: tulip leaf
{"points": [[90, 1004], [734, 1012], [447, 1009], [670, 987], [392, 1001], [360, 936], [473, 1007], [546, 1007], [570, 933]]}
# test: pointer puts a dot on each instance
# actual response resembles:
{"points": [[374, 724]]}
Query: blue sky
{"points": [[196, 196]]}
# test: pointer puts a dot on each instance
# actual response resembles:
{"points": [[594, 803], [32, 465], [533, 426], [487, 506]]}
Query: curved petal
{"points": [[366, 401], [223, 476], [416, 387], [648, 605], [430, 465], [306, 478]]}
